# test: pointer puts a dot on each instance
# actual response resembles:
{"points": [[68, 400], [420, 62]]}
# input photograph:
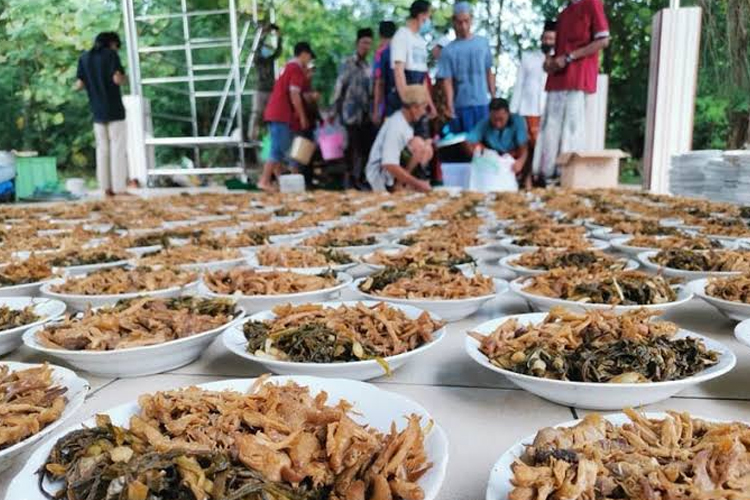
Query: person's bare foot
{"points": [[109, 192], [266, 186]]}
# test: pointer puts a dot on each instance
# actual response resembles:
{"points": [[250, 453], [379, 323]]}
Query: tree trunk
{"points": [[738, 22]]}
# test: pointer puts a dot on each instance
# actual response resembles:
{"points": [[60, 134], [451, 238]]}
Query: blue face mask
{"points": [[426, 27], [266, 52]]}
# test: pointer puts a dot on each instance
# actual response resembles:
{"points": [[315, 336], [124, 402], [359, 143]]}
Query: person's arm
{"points": [[402, 175], [522, 139], [377, 100], [79, 85], [399, 76], [80, 75], [431, 108], [474, 138], [448, 89], [599, 36], [490, 73], [118, 78], [299, 107], [445, 73], [521, 159]]}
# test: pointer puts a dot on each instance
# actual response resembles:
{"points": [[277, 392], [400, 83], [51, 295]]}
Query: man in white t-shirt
{"points": [[384, 170], [408, 56]]}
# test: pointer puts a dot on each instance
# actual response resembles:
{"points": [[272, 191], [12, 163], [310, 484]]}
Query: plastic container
{"points": [[33, 173], [302, 150], [76, 186], [332, 144], [292, 183], [456, 175]]}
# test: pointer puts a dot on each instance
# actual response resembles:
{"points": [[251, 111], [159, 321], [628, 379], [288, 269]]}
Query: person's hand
{"points": [[304, 122], [376, 118], [450, 112], [559, 63], [422, 186], [431, 112], [517, 166], [478, 148]]}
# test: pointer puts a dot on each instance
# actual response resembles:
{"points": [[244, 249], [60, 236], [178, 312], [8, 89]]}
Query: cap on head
{"points": [[419, 7], [414, 94], [364, 33], [387, 29], [461, 8], [303, 47], [550, 25]]}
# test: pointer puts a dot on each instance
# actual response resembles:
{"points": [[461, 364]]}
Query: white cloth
{"points": [[563, 129], [529, 96], [409, 48], [392, 138], [111, 155]]}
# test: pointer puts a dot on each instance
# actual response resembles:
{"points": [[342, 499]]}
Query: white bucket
{"points": [[292, 183], [302, 150], [76, 186]]}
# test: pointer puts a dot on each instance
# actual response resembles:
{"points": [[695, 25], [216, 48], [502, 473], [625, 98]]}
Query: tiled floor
{"points": [[482, 413]]}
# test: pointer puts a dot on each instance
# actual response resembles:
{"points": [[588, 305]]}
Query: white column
{"points": [[596, 115], [140, 156], [673, 74]]}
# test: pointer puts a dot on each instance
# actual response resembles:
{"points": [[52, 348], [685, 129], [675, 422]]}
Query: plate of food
{"points": [[308, 259], [597, 359], [18, 314], [194, 257], [372, 440], [530, 243], [599, 456], [582, 290], [696, 264], [34, 400], [545, 259], [424, 253], [356, 239], [634, 245], [353, 340], [136, 337], [447, 292], [24, 278], [729, 294], [106, 287], [257, 291], [82, 260]]}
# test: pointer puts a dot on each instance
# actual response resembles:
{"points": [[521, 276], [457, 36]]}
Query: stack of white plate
{"points": [[741, 159], [687, 173]]}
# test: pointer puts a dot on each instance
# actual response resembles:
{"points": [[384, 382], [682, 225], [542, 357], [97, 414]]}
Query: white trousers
{"points": [[563, 129], [111, 155]]}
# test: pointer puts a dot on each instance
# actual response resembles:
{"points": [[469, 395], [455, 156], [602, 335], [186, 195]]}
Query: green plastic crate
{"points": [[34, 173]]}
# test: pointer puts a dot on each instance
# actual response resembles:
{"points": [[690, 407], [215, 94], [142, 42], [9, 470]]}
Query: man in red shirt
{"points": [[285, 112], [573, 68]]}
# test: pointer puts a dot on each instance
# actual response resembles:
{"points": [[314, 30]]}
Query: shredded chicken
{"points": [[428, 282], [30, 400], [244, 281], [188, 254], [301, 257], [119, 281], [734, 288], [32, 270]]}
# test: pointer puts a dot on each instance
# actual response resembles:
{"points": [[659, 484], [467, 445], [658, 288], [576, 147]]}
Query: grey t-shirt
{"points": [[392, 138]]}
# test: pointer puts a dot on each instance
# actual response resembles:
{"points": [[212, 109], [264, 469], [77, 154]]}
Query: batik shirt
{"points": [[351, 95]]}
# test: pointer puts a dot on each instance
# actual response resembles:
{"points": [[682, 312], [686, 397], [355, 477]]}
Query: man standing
{"points": [[265, 68], [384, 169], [408, 53], [380, 66], [466, 70], [351, 97], [285, 112], [582, 32], [529, 96], [101, 73], [503, 132]]}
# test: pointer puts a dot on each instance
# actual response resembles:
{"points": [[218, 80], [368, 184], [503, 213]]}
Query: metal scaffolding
{"points": [[227, 82]]}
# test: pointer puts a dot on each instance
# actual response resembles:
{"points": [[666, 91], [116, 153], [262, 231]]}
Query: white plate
{"points": [[257, 303], [47, 309], [505, 262], [372, 406], [449, 310], [645, 259], [592, 395], [89, 268], [620, 244], [214, 265], [251, 258], [141, 251], [234, 340], [286, 238], [733, 310], [742, 332], [539, 303], [136, 361], [499, 486], [77, 389], [25, 290], [80, 303], [508, 245]]}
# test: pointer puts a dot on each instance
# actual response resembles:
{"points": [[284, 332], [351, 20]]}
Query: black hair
{"points": [[550, 25], [364, 33], [418, 7], [106, 38], [302, 47], [387, 29], [498, 103]]}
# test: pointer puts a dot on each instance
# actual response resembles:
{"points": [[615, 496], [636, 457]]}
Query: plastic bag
{"points": [[492, 172]]}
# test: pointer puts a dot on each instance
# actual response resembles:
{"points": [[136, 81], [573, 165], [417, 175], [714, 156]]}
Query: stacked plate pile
{"points": [[687, 175], [741, 164]]}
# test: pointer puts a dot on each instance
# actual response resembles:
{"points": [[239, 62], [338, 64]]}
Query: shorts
{"points": [[467, 117], [281, 141]]}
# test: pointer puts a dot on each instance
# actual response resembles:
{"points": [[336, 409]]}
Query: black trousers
{"points": [[360, 137]]}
